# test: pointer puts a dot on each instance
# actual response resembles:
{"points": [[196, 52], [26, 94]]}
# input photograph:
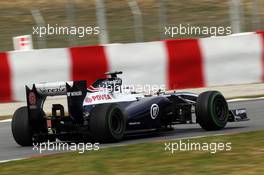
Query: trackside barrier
{"points": [[178, 64]]}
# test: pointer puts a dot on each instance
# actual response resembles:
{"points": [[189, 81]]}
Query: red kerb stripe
{"points": [[5, 79], [261, 33], [88, 63], [185, 65]]}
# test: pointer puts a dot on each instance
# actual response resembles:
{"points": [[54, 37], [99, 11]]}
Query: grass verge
{"points": [[246, 157]]}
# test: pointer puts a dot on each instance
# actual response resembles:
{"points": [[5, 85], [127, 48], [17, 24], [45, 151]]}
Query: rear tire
{"points": [[21, 129], [211, 110], [107, 123]]}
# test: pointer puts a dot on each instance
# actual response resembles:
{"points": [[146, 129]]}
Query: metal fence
{"points": [[123, 21]]}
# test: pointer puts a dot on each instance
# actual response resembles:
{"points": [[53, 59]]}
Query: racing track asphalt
{"points": [[255, 109]]}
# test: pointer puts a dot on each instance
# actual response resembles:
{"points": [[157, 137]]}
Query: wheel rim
{"points": [[116, 122], [220, 109]]}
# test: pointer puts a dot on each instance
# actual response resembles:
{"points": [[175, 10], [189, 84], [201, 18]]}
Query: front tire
{"points": [[211, 110], [107, 123], [21, 129]]}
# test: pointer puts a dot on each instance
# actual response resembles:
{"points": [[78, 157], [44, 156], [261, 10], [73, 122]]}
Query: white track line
{"points": [[244, 99], [9, 160], [6, 120], [198, 137]]}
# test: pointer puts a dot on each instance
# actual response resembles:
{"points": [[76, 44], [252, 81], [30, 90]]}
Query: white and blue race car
{"points": [[106, 113]]}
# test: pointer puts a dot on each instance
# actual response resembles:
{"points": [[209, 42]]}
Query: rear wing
{"points": [[74, 90]]}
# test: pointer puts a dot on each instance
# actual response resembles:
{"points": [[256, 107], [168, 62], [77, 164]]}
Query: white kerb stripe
{"points": [[141, 63], [232, 59], [45, 65]]}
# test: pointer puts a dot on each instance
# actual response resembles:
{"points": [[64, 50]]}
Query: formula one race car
{"points": [[107, 114]]}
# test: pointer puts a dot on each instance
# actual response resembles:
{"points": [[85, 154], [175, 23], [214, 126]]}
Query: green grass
{"points": [[246, 157], [16, 19]]}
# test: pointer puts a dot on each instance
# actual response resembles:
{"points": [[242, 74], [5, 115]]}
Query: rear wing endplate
{"points": [[74, 90]]}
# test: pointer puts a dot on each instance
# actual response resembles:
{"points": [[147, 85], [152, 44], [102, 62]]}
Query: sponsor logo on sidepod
{"points": [[98, 98]]}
